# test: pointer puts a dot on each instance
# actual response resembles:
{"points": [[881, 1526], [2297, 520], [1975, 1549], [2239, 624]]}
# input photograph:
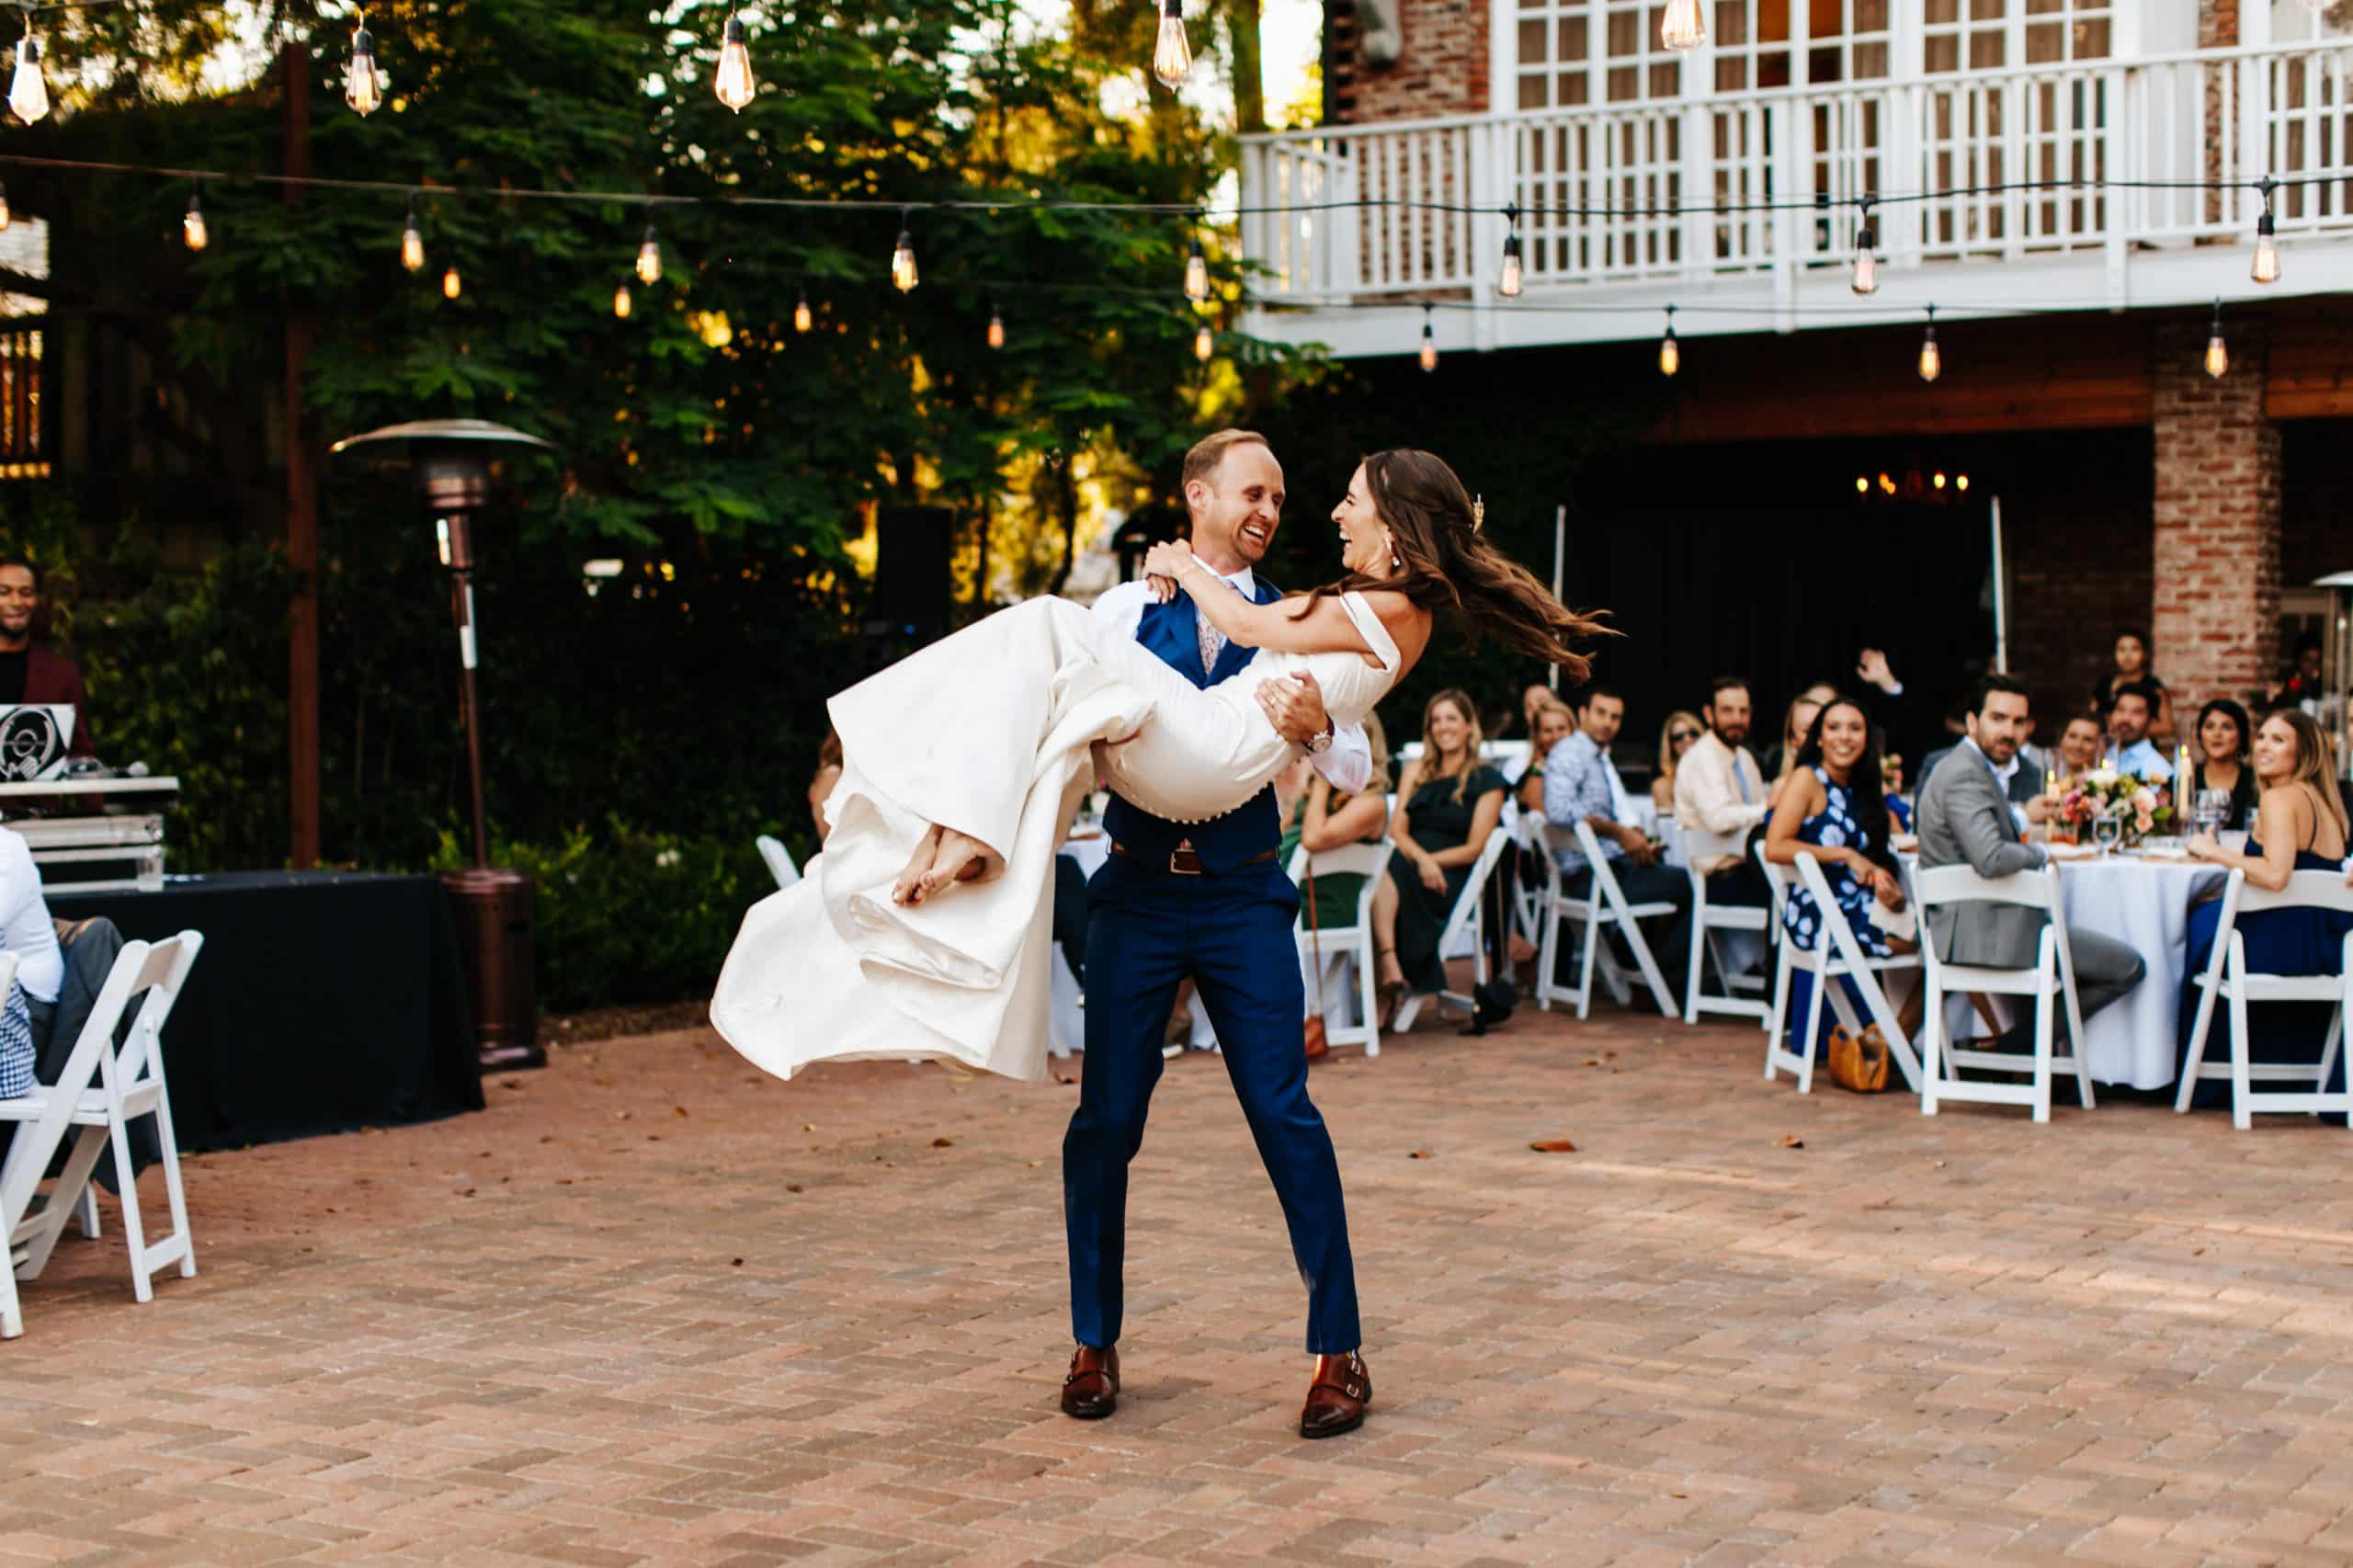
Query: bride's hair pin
{"points": [[1478, 513]]}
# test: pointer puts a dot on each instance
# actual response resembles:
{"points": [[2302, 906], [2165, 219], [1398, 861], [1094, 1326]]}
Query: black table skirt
{"points": [[323, 1000]]}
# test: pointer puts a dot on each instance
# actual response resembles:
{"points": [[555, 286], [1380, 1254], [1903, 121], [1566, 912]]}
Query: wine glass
{"points": [[2212, 808], [2108, 829]]}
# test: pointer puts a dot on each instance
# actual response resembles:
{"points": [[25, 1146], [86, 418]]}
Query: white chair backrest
{"points": [[1962, 884], [1777, 877], [1590, 848], [2305, 889], [160, 971], [1348, 859], [779, 862]]}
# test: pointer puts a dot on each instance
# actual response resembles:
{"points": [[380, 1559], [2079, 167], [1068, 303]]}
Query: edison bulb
{"points": [[1172, 54], [1684, 26], [1932, 362], [733, 81], [1204, 344], [996, 330], [1509, 284], [1670, 354], [2267, 252], [27, 94], [1429, 349], [903, 275], [192, 227], [451, 285], [412, 245], [2218, 356], [362, 89], [621, 302], [1196, 273], [649, 258], [803, 320]]}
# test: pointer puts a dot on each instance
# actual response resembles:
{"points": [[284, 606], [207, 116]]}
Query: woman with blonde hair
{"points": [[2301, 826], [1551, 723], [1795, 724], [1675, 737], [1447, 802]]}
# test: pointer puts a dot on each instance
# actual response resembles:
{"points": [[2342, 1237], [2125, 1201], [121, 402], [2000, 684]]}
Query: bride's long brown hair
{"points": [[1445, 562]]}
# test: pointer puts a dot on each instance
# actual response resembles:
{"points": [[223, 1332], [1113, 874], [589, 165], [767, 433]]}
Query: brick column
{"points": [[2217, 520]]}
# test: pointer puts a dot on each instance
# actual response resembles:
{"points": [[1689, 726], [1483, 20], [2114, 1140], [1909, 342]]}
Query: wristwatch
{"points": [[1321, 741]]}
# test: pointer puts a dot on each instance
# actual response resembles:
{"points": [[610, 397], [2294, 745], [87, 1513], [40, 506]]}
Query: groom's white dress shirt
{"points": [[1347, 767]]}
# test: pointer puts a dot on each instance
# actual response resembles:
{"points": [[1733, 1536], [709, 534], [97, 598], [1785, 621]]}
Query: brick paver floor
{"points": [[652, 1308]]}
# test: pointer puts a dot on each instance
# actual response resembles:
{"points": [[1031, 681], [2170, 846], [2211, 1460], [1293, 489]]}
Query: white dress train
{"points": [[993, 732]]}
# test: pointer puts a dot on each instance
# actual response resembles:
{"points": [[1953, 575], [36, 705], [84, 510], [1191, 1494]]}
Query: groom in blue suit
{"points": [[1209, 899]]}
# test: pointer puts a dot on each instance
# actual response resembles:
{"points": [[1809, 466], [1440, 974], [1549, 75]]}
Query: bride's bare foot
{"points": [[907, 889], [960, 858]]}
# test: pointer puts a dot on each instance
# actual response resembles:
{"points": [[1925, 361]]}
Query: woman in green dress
{"points": [[1447, 802], [1322, 820]]}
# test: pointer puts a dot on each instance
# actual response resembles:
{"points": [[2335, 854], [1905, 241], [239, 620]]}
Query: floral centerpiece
{"points": [[2139, 807]]}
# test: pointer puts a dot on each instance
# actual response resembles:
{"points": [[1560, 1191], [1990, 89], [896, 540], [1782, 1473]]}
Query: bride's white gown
{"points": [[993, 732]]}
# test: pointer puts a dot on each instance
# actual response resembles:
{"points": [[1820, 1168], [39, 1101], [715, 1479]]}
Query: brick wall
{"points": [[1442, 68], [2218, 23], [2216, 519]]}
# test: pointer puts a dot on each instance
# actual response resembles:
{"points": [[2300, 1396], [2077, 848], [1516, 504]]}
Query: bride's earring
{"points": [[1396, 562]]}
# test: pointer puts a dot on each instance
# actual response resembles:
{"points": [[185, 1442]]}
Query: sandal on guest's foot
{"points": [[1392, 992]]}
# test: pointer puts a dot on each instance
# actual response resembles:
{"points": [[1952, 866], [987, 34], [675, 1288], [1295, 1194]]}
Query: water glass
{"points": [[2106, 831]]}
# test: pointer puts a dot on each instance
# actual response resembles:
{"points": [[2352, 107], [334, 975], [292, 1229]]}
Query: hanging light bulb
{"points": [[803, 320], [904, 276], [1204, 344], [1171, 53], [192, 227], [27, 94], [1429, 342], [2218, 353], [1509, 284], [996, 326], [1684, 28], [4, 217], [1670, 352], [1866, 255], [621, 301], [734, 80], [1932, 362], [1196, 272], [649, 258], [361, 87], [412, 241], [450, 284], [2266, 247]]}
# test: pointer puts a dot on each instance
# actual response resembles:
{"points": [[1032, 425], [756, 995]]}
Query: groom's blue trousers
{"points": [[1147, 929]]}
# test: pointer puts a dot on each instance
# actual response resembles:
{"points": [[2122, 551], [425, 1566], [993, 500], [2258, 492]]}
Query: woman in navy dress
{"points": [[2301, 826], [1834, 805]]}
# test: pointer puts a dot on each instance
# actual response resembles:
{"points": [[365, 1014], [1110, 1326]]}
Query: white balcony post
{"points": [[1487, 184], [1786, 218], [1341, 256], [2119, 209]]}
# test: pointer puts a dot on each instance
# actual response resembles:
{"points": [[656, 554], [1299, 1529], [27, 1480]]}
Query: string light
{"points": [[2266, 247], [1429, 342], [1171, 53], [1684, 28], [621, 302], [1932, 361], [192, 229], [2218, 353], [363, 87], [733, 82], [1866, 255], [412, 241], [27, 93], [803, 320], [1670, 352], [451, 285], [1204, 344], [649, 258], [1197, 271], [904, 276], [1509, 284], [996, 326]]}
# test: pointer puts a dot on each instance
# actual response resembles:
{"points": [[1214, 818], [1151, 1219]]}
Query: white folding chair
{"points": [[1707, 919], [2227, 976], [1603, 903], [96, 1095], [1835, 956], [1352, 940], [2050, 981], [1468, 920], [779, 862], [1528, 894]]}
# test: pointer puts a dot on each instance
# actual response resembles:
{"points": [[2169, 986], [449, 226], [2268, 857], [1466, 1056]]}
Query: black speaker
{"points": [[911, 580]]}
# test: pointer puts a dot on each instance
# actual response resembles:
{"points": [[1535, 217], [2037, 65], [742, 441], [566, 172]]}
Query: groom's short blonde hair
{"points": [[1202, 461]]}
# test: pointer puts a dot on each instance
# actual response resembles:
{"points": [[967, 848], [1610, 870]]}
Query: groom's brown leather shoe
{"points": [[1336, 1396], [1092, 1388]]}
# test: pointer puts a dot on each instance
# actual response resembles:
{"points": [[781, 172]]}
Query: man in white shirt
{"points": [[1720, 798], [1581, 784], [2128, 725]]}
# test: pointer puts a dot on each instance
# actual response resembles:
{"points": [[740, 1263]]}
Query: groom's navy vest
{"points": [[1223, 843]]}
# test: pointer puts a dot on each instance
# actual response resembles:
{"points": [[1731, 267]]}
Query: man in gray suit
{"points": [[1965, 819]]}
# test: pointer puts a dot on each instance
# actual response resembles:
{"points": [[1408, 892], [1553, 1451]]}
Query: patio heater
{"points": [[491, 905], [2337, 668]]}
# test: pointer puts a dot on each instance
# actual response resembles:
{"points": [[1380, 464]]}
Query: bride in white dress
{"points": [[923, 929]]}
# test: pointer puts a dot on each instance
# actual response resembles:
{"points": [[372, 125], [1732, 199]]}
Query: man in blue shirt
{"points": [[1581, 784], [2128, 728]]}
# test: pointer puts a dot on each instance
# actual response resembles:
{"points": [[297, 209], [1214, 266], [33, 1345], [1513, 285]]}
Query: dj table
{"points": [[92, 835]]}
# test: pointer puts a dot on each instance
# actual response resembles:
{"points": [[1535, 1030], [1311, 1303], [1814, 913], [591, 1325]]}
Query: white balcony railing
{"points": [[1606, 190]]}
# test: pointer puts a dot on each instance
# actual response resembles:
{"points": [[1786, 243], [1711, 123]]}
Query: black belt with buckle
{"points": [[1183, 862]]}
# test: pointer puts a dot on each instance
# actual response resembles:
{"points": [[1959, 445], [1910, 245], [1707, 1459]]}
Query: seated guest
{"points": [[2079, 749], [1834, 805], [2133, 670], [2303, 682], [1720, 792], [31, 671], [30, 1007], [2127, 733], [1675, 738], [1554, 723], [829, 772], [1581, 784], [1533, 699], [1447, 802], [2226, 749], [1782, 760], [1966, 818], [2302, 824], [1323, 821]]}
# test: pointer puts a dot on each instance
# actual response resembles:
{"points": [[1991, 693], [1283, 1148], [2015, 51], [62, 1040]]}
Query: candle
{"points": [[2050, 782], [2180, 787]]}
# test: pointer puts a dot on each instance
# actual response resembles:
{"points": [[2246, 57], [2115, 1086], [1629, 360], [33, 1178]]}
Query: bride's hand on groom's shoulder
{"points": [[1164, 563]]}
